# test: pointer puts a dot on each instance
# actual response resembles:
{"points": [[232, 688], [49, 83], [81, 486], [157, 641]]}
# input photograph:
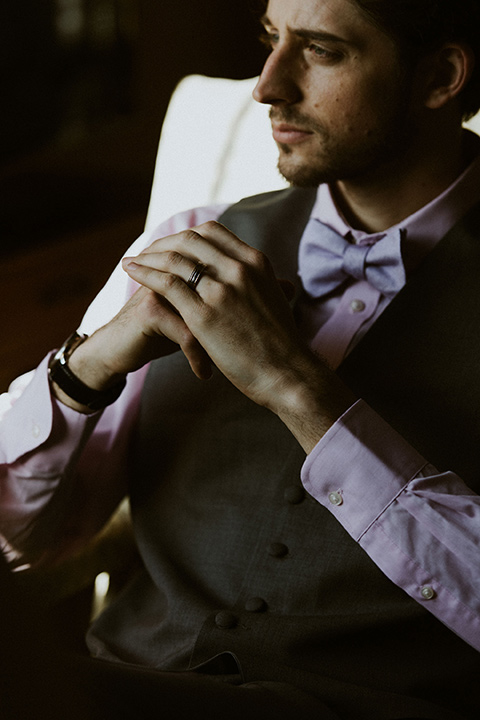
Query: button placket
{"points": [[357, 305]]}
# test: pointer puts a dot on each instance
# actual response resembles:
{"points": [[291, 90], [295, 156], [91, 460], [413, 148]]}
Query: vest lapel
{"points": [[274, 223], [419, 365]]}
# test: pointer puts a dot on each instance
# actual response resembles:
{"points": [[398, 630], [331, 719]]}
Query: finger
{"points": [[179, 256], [225, 240], [241, 256], [208, 243], [166, 324], [172, 262], [170, 287], [198, 359]]}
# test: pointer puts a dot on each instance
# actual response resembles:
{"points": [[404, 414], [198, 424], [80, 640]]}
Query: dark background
{"points": [[84, 86]]}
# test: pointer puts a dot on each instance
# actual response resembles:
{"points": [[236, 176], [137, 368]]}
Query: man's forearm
{"points": [[313, 404]]}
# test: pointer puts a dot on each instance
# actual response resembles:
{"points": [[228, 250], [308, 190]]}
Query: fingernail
{"points": [[129, 263]]}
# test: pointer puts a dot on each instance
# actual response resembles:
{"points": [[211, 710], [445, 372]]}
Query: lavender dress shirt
{"points": [[420, 527]]}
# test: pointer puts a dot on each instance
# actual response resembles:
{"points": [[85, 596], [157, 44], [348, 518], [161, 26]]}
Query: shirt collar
{"points": [[424, 228]]}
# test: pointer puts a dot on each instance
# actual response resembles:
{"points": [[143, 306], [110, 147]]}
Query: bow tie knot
{"points": [[354, 260], [326, 260]]}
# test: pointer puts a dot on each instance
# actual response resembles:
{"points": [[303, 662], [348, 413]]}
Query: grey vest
{"points": [[241, 563]]}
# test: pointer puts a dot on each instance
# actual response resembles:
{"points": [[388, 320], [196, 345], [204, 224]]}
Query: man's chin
{"points": [[299, 170], [300, 176]]}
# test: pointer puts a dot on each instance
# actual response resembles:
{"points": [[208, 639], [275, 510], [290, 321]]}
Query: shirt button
{"points": [[256, 605], [427, 592], [278, 550], [357, 306], [335, 498], [35, 430], [226, 620], [294, 495]]}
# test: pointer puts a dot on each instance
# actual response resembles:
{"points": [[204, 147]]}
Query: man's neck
{"points": [[376, 203]]}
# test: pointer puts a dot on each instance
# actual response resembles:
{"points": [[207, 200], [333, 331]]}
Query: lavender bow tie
{"points": [[326, 260]]}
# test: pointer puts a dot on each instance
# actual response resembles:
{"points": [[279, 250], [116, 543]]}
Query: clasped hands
{"points": [[239, 318]]}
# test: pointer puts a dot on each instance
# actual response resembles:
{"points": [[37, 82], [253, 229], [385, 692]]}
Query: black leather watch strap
{"points": [[67, 381]]}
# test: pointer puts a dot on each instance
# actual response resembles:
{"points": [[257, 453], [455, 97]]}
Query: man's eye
{"points": [[322, 52], [269, 39]]}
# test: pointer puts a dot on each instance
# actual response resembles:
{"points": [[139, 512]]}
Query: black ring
{"points": [[196, 275]]}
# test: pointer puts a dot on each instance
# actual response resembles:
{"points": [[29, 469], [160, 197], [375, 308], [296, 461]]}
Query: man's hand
{"points": [[147, 327], [239, 314]]}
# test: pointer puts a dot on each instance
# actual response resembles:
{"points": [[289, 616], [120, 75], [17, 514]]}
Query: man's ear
{"points": [[447, 72]]}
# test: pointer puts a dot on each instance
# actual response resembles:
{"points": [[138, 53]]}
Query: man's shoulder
{"points": [[277, 207], [273, 222], [287, 196]]}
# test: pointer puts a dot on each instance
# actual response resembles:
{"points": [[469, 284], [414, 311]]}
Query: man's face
{"points": [[340, 105]]}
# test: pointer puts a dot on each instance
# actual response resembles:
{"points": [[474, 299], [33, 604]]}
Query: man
{"points": [[359, 598]]}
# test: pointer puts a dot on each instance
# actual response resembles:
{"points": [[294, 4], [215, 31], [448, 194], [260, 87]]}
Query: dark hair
{"points": [[422, 26]]}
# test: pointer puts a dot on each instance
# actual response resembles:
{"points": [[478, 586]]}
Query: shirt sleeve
{"points": [[421, 527], [62, 473]]}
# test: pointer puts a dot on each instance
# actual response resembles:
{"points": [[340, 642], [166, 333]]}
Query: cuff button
{"points": [[427, 592], [335, 498]]}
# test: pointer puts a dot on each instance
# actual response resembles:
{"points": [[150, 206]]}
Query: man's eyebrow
{"points": [[308, 34]]}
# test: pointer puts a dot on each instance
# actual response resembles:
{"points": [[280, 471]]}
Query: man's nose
{"points": [[277, 83]]}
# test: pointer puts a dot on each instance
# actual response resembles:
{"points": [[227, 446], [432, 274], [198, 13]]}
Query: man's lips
{"points": [[289, 134]]}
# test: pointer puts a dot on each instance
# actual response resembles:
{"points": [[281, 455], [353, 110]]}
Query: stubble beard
{"points": [[332, 159]]}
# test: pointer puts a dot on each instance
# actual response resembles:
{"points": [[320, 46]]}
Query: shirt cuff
{"points": [[359, 468], [31, 419]]}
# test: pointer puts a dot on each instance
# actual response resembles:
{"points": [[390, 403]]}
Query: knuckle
{"points": [[224, 293], [209, 226], [170, 281], [242, 272], [239, 271], [173, 258], [255, 262], [190, 236], [258, 260]]}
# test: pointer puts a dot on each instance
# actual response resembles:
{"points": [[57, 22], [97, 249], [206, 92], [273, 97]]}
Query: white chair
{"points": [[216, 146], [474, 124]]}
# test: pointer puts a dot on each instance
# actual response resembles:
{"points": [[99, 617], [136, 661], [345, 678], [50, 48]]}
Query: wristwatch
{"points": [[60, 373]]}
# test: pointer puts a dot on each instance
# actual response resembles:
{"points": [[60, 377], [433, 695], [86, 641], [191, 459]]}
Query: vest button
{"points": [[294, 495], [256, 605], [226, 620], [278, 550]]}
